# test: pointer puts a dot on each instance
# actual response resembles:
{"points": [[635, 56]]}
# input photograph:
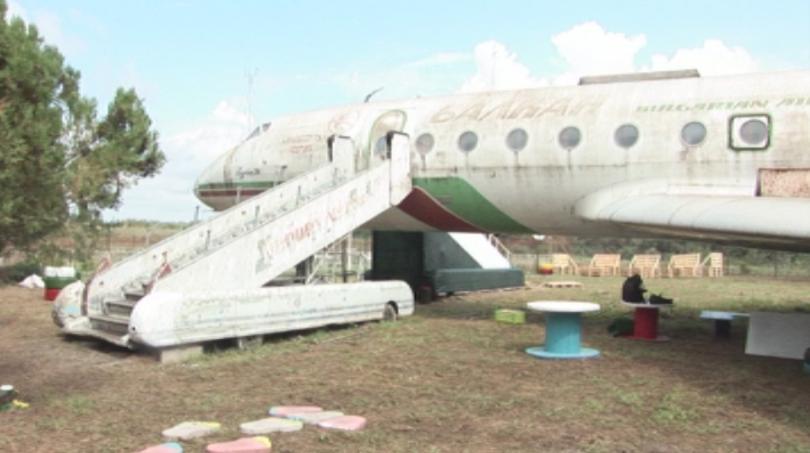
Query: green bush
{"points": [[17, 272]]}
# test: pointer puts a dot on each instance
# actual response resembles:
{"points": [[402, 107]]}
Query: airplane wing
{"points": [[711, 215]]}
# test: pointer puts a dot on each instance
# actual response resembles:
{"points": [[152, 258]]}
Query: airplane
{"points": [[666, 154]]}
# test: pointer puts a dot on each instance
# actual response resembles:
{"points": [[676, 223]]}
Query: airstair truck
{"points": [[208, 282]]}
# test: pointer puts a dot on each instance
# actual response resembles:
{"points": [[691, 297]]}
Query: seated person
{"points": [[633, 292]]}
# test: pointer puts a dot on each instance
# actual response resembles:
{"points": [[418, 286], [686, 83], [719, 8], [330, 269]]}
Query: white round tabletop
{"points": [[645, 305], [561, 306]]}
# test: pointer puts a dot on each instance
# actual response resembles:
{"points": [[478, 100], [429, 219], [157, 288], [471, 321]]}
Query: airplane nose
{"points": [[213, 185]]}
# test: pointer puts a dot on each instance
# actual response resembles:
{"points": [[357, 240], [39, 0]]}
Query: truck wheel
{"points": [[389, 313]]}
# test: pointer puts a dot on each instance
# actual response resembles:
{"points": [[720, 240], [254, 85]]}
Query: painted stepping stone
{"points": [[345, 423], [190, 430], [170, 447], [259, 444], [283, 411], [270, 425], [312, 418]]}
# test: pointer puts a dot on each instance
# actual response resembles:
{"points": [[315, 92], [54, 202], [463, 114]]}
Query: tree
{"points": [[59, 163]]}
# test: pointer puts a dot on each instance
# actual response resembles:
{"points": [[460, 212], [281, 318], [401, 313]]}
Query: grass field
{"points": [[448, 379]]}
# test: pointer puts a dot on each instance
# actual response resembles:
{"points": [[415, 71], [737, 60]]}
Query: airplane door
{"points": [[376, 147]]}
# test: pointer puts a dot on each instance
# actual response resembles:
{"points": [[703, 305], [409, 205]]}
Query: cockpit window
{"points": [[259, 130]]}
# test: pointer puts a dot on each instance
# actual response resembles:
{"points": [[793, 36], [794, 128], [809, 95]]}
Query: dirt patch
{"points": [[446, 379]]}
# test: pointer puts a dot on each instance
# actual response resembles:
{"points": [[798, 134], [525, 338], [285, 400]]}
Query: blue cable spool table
{"points": [[563, 330]]}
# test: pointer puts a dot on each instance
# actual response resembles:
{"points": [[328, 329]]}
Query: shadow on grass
{"points": [[703, 367]]}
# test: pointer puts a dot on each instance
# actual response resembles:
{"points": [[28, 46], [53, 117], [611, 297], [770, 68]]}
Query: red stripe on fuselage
{"points": [[422, 206]]}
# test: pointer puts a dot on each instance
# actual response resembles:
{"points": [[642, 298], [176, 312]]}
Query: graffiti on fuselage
{"points": [[305, 143], [516, 108]]}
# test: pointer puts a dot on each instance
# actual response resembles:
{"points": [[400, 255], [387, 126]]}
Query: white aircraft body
{"points": [[675, 155]]}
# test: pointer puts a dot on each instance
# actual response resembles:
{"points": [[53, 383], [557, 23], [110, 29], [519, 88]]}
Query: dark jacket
{"points": [[633, 289]]}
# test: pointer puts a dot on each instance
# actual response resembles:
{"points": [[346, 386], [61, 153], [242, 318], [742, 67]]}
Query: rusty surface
{"points": [[784, 182]]}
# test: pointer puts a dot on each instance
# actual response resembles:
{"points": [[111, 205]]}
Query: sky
{"points": [[208, 71]]}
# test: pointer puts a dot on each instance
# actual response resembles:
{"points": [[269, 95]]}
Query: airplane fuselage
{"points": [[524, 161]]}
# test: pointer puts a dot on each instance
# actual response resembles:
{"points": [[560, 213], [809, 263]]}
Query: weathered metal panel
{"points": [[197, 240], [453, 280], [785, 335], [163, 319], [442, 252], [397, 256], [401, 183], [784, 182], [250, 259]]}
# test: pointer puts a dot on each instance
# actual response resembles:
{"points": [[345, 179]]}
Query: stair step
{"points": [[120, 307], [134, 294], [110, 323], [119, 340]]}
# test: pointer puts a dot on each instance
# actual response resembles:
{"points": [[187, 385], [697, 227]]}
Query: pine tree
{"points": [[60, 163]]}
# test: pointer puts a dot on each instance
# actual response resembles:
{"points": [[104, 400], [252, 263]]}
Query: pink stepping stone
{"points": [[259, 444], [345, 423], [170, 447], [283, 411]]}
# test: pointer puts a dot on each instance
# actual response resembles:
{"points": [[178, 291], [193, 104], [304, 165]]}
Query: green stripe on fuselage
{"points": [[464, 200], [240, 184]]}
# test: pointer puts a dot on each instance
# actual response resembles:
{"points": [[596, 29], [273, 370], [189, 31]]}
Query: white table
{"points": [[563, 329]]}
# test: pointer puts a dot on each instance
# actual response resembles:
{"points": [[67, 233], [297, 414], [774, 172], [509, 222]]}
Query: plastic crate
{"points": [[510, 316]]}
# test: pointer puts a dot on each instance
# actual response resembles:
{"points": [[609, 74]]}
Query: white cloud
{"points": [[714, 58], [589, 49], [431, 75], [224, 127], [439, 59], [50, 28], [498, 68], [15, 9], [169, 195]]}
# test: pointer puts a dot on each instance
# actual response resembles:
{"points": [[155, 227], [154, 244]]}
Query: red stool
{"points": [[645, 322]]}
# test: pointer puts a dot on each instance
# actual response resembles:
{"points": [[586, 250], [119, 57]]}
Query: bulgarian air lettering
{"points": [[751, 104], [516, 109]]}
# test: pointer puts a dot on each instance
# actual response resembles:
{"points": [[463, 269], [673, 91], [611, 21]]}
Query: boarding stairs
{"points": [[253, 242]]}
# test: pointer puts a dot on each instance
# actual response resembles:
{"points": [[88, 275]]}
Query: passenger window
{"points": [[693, 133], [626, 135], [517, 139], [424, 143], [467, 141], [750, 132], [570, 137]]}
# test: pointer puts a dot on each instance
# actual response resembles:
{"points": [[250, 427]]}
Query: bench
{"points": [[713, 264], [604, 264], [645, 265], [683, 265], [722, 321], [562, 263]]}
